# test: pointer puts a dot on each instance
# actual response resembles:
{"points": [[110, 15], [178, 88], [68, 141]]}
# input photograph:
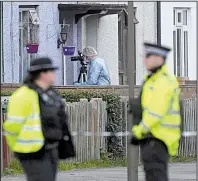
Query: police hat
{"points": [[40, 64], [153, 49]]}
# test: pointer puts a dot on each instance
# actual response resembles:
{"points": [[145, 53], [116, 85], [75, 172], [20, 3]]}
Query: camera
{"points": [[83, 69], [80, 57]]}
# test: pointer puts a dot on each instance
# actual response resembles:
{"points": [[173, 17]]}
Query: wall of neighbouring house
{"points": [[167, 33]]}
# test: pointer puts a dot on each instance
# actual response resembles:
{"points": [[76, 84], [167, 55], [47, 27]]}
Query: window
{"points": [[186, 53], [173, 17], [179, 51], [121, 79], [181, 41], [34, 17], [174, 52], [28, 33], [179, 17], [185, 17]]}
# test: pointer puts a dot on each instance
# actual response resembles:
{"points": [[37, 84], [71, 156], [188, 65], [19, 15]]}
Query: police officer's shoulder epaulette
{"points": [[23, 90], [172, 79], [18, 96], [19, 92], [168, 78]]}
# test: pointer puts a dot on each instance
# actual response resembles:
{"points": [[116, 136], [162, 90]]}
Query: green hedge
{"points": [[114, 111]]}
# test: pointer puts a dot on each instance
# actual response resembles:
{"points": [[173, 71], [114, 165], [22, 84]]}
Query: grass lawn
{"points": [[15, 168]]}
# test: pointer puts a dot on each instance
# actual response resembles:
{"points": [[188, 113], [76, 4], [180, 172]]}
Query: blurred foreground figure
{"points": [[36, 125], [157, 115]]}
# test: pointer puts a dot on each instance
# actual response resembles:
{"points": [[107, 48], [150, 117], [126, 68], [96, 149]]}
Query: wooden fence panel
{"points": [[188, 145], [83, 117], [91, 117]]}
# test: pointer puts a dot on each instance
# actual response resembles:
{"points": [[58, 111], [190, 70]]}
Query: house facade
{"points": [[101, 25]]}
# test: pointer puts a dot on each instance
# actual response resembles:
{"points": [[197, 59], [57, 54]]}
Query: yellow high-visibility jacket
{"points": [[23, 124], [161, 109]]}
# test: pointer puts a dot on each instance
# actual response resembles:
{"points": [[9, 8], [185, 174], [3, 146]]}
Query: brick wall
{"points": [[188, 89]]}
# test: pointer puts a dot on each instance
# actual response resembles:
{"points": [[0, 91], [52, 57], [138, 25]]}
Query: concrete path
{"points": [[178, 172]]}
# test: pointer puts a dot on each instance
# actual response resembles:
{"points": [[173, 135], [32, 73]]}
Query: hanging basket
{"points": [[69, 50], [32, 48]]}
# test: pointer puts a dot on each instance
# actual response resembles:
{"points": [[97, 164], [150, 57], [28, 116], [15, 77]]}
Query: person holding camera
{"points": [[98, 73]]}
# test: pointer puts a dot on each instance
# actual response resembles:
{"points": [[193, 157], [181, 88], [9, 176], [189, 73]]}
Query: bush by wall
{"points": [[114, 110]]}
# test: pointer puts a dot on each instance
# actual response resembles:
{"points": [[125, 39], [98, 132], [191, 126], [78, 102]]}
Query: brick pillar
{"points": [[182, 80]]}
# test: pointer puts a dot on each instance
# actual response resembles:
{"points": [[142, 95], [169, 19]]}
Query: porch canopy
{"points": [[80, 10]]}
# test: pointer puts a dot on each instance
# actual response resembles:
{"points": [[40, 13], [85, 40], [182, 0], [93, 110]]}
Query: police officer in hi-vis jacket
{"points": [[157, 114], [36, 126]]}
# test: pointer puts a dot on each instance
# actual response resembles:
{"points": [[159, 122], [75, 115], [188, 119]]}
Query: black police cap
{"points": [[153, 49], [40, 64]]}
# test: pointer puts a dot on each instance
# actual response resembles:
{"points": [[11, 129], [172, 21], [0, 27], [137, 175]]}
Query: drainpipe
{"points": [[1, 43], [132, 151], [158, 22]]}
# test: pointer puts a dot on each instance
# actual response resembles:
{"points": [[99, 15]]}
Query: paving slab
{"points": [[177, 172]]}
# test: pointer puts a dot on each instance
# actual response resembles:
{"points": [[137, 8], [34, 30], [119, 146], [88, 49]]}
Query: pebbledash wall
{"points": [[47, 14], [188, 89], [103, 34]]}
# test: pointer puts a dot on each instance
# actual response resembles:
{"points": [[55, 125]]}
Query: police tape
{"points": [[123, 134], [118, 134]]}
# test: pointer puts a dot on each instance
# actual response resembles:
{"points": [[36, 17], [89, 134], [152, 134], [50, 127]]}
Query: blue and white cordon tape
{"points": [[122, 134], [119, 134]]}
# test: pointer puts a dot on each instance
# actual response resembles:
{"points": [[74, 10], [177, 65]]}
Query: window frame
{"points": [[176, 17], [182, 70], [22, 64], [186, 52]]}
